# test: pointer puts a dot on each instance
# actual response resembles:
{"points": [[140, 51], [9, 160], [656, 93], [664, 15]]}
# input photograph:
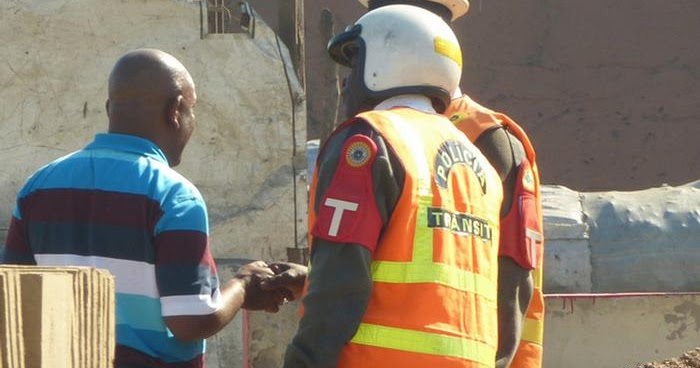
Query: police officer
{"points": [[509, 150], [404, 211]]}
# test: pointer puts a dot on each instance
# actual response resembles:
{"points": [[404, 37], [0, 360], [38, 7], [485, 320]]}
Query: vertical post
{"points": [[329, 92], [300, 38], [291, 30]]}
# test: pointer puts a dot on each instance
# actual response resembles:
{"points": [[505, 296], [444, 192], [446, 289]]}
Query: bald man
{"points": [[117, 204]]}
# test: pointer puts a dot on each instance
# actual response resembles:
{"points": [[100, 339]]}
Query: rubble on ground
{"points": [[689, 359]]}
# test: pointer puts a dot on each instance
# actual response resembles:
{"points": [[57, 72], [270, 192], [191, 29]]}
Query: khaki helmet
{"points": [[401, 49], [457, 7]]}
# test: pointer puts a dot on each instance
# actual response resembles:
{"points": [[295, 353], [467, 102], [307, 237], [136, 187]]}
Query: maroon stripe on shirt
{"points": [[16, 240], [127, 357], [183, 246], [91, 206]]}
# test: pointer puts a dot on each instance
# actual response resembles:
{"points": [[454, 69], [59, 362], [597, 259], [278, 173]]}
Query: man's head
{"points": [[397, 50], [152, 95], [448, 10]]}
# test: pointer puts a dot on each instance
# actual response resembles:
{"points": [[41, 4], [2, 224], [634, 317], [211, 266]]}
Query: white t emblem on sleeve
{"points": [[340, 207]]}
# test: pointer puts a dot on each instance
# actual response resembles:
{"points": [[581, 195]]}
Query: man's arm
{"points": [[515, 284], [340, 285], [240, 292], [515, 288], [193, 304], [340, 282]]}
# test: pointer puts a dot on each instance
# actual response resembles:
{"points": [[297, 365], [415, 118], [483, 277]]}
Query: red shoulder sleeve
{"points": [[521, 230], [347, 212]]}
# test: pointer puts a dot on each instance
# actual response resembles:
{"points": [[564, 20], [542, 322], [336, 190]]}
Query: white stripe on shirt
{"points": [[188, 305], [130, 277]]}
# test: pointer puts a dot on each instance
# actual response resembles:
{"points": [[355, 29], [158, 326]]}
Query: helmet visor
{"points": [[344, 47]]}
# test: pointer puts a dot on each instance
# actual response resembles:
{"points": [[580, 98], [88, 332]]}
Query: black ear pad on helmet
{"points": [[343, 47]]}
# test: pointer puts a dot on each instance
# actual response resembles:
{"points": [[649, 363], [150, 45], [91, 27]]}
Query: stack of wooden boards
{"points": [[56, 317]]}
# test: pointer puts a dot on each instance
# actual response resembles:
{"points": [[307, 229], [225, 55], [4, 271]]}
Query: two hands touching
{"points": [[269, 285], [256, 286]]}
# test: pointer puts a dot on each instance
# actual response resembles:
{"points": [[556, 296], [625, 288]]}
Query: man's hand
{"points": [[252, 274], [289, 277]]}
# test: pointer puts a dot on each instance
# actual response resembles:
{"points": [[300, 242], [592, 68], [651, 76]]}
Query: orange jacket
{"points": [[473, 119], [434, 270]]}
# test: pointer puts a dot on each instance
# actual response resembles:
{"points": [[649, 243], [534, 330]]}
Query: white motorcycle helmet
{"points": [[401, 49], [457, 7]]}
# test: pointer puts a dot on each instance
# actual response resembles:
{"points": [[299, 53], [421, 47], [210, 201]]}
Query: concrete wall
{"points": [[601, 250], [607, 90], [615, 242], [55, 56], [618, 331]]}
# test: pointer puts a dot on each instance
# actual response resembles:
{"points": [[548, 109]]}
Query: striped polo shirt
{"points": [[116, 204]]}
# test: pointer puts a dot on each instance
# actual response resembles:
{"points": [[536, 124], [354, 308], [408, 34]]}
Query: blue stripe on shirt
{"points": [[114, 171], [138, 312], [157, 344]]}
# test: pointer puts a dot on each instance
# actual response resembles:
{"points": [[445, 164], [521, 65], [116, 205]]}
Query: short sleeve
{"points": [[185, 269]]}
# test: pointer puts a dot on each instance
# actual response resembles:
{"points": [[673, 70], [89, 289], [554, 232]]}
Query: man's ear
{"points": [[173, 111]]}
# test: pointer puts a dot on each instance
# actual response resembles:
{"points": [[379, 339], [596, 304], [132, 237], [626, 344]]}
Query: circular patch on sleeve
{"points": [[358, 153], [529, 180]]}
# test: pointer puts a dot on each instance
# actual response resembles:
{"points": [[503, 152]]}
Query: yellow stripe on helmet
{"points": [[448, 49]]}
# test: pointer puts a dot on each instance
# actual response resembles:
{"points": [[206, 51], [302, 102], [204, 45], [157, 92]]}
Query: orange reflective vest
{"points": [[473, 119], [435, 268]]}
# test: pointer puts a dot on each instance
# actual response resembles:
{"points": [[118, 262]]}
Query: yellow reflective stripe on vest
{"points": [[433, 273], [533, 331], [537, 276], [423, 237], [424, 343]]}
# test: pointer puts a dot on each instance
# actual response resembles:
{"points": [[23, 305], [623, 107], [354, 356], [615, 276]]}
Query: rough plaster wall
{"points": [[607, 90], [618, 331], [55, 57], [613, 242]]}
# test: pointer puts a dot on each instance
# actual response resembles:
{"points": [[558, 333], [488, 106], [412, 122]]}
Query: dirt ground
{"points": [[689, 359]]}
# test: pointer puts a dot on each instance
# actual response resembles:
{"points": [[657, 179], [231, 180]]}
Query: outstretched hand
{"points": [[252, 275], [289, 277]]}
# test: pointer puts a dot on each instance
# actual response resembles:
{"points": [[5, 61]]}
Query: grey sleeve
{"points": [[340, 280], [505, 153]]}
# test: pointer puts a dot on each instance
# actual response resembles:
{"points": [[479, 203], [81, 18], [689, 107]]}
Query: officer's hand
{"points": [[252, 274], [288, 276]]}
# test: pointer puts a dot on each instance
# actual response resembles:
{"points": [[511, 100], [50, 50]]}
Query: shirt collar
{"points": [[417, 102], [128, 143], [457, 93]]}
